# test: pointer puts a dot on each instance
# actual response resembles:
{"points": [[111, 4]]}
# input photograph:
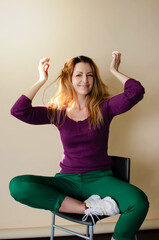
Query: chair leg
{"points": [[52, 227], [135, 236], [87, 230], [91, 232]]}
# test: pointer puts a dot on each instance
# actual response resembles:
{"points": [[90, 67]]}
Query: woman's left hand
{"points": [[116, 61]]}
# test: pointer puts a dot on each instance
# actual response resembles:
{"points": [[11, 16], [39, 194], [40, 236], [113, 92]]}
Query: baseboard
{"points": [[45, 231]]}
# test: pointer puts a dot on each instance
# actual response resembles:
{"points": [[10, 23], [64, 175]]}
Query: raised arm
{"points": [[115, 65], [23, 109], [43, 77], [132, 94]]}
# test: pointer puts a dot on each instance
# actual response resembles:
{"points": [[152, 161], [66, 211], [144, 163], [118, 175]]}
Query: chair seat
{"points": [[78, 218]]}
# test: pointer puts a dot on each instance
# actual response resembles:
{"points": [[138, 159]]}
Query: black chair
{"points": [[121, 170]]}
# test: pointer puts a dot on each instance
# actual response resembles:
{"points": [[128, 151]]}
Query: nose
{"points": [[85, 78]]}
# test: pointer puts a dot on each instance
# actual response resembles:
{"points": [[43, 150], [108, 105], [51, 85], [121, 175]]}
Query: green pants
{"points": [[49, 192]]}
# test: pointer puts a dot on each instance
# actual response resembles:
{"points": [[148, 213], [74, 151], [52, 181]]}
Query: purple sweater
{"points": [[84, 149]]}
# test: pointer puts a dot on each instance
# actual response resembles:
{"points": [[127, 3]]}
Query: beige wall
{"points": [[60, 29]]}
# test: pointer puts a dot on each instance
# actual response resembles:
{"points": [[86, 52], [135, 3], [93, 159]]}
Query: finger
{"points": [[46, 67], [119, 57], [113, 54], [43, 60], [116, 53], [116, 57], [43, 67]]}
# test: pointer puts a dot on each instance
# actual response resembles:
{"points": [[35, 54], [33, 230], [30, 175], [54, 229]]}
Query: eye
{"points": [[90, 75], [78, 75]]}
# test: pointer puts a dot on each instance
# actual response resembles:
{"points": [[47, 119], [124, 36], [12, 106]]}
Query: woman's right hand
{"points": [[43, 69], [115, 62]]}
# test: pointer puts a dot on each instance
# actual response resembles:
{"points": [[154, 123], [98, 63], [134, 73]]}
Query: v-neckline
{"points": [[79, 121]]}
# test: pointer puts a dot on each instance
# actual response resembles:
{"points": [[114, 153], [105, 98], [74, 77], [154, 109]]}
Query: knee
{"points": [[141, 203], [17, 187]]}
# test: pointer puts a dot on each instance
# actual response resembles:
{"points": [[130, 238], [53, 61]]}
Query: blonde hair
{"points": [[66, 96]]}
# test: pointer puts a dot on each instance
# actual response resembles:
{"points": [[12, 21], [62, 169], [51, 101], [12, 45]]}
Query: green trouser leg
{"points": [[132, 202], [36, 191], [49, 192]]}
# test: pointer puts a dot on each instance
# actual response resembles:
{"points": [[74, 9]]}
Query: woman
{"points": [[82, 111]]}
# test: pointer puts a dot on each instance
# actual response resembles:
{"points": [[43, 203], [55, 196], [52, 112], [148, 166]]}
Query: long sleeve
{"points": [[24, 111], [133, 93]]}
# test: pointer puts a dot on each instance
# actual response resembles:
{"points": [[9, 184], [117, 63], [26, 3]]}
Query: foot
{"points": [[92, 201], [109, 206], [99, 207]]}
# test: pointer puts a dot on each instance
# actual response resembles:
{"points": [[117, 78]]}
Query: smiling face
{"points": [[82, 78]]}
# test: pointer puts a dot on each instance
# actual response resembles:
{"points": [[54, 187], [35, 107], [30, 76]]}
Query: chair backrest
{"points": [[121, 168]]}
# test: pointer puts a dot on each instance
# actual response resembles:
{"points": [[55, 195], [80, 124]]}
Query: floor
{"points": [[142, 235]]}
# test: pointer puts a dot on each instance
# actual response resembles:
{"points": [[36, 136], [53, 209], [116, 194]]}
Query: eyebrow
{"points": [[82, 72]]}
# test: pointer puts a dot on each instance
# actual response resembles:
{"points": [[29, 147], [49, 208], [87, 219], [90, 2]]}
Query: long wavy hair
{"points": [[66, 97]]}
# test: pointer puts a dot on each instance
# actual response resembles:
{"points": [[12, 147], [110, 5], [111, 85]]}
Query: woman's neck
{"points": [[81, 102]]}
